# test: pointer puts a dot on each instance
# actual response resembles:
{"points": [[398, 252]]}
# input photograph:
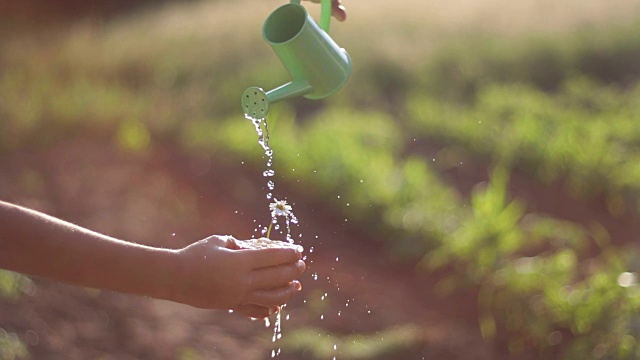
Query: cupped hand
{"points": [[337, 9], [217, 273]]}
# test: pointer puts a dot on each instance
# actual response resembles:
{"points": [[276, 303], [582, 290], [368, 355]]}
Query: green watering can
{"points": [[319, 67]]}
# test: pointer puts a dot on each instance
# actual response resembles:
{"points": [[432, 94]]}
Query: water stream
{"points": [[280, 208], [277, 209]]}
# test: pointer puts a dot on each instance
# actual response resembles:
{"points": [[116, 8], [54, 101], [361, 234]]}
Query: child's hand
{"points": [[337, 10], [217, 273]]}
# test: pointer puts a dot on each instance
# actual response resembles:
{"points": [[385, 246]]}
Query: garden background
{"points": [[472, 193]]}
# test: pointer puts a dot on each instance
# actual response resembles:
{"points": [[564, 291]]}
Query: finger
{"points": [[276, 276], [219, 240], [255, 311], [232, 243], [260, 258], [274, 297], [338, 11]]}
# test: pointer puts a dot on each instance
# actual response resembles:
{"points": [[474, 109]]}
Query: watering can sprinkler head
{"points": [[318, 66], [255, 103]]}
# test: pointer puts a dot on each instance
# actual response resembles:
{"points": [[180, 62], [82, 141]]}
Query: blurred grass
{"points": [[315, 343], [548, 88]]}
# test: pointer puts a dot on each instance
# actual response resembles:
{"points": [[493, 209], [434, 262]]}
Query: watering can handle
{"points": [[325, 13]]}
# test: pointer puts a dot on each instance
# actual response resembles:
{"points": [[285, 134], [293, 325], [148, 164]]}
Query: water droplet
{"points": [[268, 173], [271, 185]]}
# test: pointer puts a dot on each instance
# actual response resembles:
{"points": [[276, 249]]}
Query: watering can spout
{"points": [[255, 101]]}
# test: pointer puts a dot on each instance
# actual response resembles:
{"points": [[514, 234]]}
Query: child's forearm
{"points": [[40, 245]]}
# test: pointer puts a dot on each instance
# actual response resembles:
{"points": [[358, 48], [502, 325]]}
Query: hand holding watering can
{"points": [[337, 10], [318, 66]]}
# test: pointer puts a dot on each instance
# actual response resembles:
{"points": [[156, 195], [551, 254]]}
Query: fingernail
{"points": [[297, 285], [301, 265]]}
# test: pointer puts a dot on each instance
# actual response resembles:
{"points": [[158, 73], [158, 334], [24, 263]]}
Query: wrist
{"points": [[170, 275]]}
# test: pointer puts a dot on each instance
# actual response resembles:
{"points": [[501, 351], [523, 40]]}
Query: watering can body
{"points": [[317, 65]]}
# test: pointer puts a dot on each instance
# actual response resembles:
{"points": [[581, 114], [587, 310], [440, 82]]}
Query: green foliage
{"points": [[314, 343], [11, 348], [13, 284], [490, 232], [188, 353], [585, 135]]}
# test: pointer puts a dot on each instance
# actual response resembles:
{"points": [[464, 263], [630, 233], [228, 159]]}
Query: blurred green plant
{"points": [[11, 348], [315, 343], [188, 353], [585, 135], [12, 285]]}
